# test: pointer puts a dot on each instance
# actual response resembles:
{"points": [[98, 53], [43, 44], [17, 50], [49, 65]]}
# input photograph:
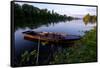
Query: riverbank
{"points": [[85, 51]]}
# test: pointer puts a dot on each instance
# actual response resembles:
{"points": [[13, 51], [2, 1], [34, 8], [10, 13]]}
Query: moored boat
{"points": [[51, 37]]}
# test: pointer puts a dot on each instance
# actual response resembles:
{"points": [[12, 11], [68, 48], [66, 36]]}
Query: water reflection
{"points": [[28, 17], [89, 22], [89, 19], [23, 46], [36, 24]]}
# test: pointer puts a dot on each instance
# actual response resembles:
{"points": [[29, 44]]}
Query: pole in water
{"points": [[37, 59]]}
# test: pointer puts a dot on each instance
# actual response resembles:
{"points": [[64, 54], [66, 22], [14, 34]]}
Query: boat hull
{"points": [[50, 41]]}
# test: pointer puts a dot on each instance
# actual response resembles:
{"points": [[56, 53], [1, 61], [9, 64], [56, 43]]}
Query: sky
{"points": [[69, 10]]}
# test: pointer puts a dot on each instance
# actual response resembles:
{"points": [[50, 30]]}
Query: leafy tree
{"points": [[89, 18], [29, 15]]}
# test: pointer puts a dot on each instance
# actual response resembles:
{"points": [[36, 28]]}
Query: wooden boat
{"points": [[50, 37]]}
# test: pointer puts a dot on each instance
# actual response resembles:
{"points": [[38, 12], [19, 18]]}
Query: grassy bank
{"points": [[84, 51]]}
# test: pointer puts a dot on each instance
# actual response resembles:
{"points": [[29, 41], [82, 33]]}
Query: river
{"points": [[74, 27]]}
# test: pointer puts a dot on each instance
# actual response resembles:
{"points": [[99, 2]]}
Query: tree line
{"points": [[90, 18], [29, 13]]}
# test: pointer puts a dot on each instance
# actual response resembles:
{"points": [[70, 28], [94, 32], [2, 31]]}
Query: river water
{"points": [[74, 27]]}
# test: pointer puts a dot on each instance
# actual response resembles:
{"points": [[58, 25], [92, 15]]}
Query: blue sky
{"points": [[65, 9]]}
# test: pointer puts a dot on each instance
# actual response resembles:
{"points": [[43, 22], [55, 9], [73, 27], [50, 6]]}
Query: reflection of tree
{"points": [[30, 16], [89, 19], [35, 24]]}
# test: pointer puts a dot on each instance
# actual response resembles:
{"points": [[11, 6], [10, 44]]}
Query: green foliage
{"points": [[27, 56], [84, 51], [29, 15], [89, 19]]}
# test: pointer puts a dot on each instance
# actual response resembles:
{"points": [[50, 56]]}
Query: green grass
{"points": [[27, 56], [84, 51]]}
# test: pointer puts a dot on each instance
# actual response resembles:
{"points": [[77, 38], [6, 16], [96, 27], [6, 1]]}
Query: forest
{"points": [[81, 51], [30, 14]]}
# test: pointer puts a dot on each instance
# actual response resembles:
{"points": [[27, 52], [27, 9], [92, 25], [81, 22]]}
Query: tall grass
{"points": [[84, 51]]}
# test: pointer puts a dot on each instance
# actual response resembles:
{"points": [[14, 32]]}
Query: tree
{"points": [[89, 18]]}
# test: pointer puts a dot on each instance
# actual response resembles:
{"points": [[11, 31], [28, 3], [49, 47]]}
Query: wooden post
{"points": [[37, 59]]}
